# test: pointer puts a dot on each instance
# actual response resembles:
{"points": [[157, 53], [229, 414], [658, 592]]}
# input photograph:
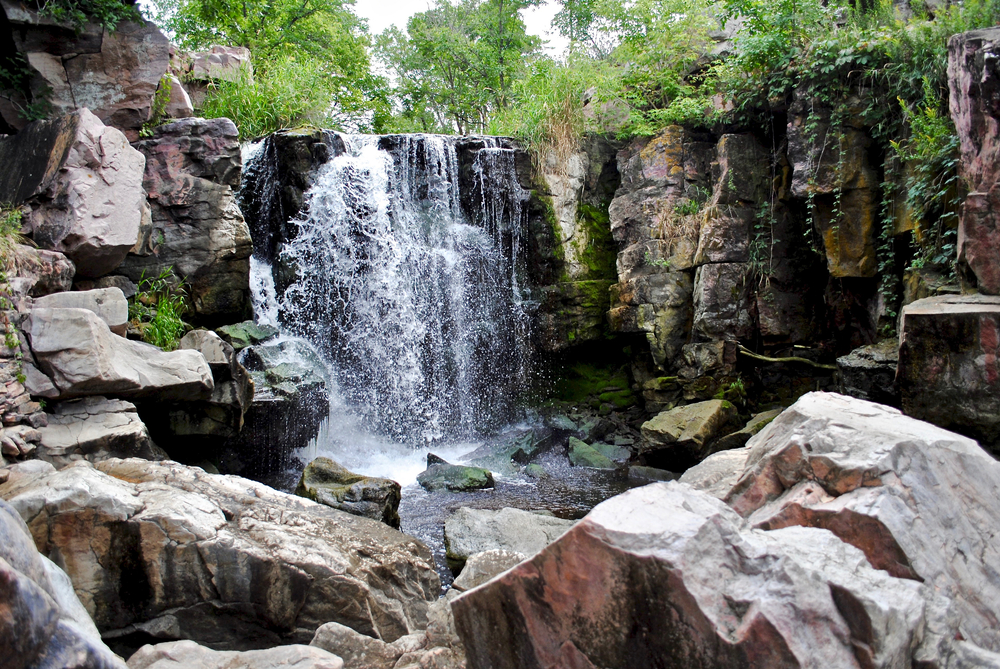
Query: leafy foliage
{"points": [[106, 13], [156, 310]]}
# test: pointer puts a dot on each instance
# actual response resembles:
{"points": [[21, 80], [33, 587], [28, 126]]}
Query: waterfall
{"points": [[410, 288]]}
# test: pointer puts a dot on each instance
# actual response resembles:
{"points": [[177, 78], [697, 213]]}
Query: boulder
{"points": [[948, 372], [739, 438], [179, 103], [247, 333], [83, 183], [441, 475], [42, 623], [108, 303], [193, 167], [95, 429], [919, 501], [481, 567], [172, 552], [637, 583], [114, 74], [869, 372], [326, 482], [470, 531], [687, 431], [37, 272], [359, 650], [189, 655], [78, 354], [718, 473], [582, 454]]}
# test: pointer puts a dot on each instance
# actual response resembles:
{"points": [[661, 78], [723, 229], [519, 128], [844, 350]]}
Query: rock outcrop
{"points": [[948, 371], [42, 623], [172, 552], [877, 526], [83, 184], [193, 169], [974, 83], [78, 355], [112, 73]]}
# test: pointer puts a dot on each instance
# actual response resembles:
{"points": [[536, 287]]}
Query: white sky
{"points": [[383, 13]]}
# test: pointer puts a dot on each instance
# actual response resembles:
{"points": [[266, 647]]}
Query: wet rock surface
{"points": [[326, 482], [441, 475], [223, 561]]}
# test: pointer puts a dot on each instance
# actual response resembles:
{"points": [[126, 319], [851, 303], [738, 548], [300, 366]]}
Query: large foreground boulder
{"points": [[171, 552], [83, 183], [189, 655], [853, 536], [948, 372], [78, 355], [42, 624]]}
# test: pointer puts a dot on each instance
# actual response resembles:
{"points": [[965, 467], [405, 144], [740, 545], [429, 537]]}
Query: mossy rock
{"points": [[621, 399], [327, 482], [536, 471], [441, 475], [247, 333], [582, 454]]}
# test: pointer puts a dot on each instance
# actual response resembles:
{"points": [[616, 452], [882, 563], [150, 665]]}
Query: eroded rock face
{"points": [[193, 167], [42, 624], [948, 372], [974, 83], [76, 351], [83, 183], [173, 552], [113, 74]]}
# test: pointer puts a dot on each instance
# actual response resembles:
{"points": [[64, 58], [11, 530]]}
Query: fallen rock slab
{"points": [[80, 356], [170, 551], [189, 655], [470, 531], [685, 431], [95, 429], [638, 583], [108, 303], [327, 482]]}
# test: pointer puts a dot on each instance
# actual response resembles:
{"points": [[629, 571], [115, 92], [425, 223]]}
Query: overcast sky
{"points": [[383, 13]]}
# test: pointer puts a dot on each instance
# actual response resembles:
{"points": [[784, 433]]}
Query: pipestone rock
{"points": [[78, 354], [108, 303], [326, 482], [470, 531], [948, 372], [441, 475], [189, 655], [919, 501], [223, 561], [83, 183], [95, 429], [38, 272], [636, 583], [722, 303], [42, 623], [687, 431]]}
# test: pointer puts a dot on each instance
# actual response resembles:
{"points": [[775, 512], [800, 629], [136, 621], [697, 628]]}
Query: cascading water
{"points": [[415, 300]]}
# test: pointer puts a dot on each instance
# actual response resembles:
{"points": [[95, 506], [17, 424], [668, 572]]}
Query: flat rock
{"points": [[948, 372], [225, 561], [327, 482], [95, 429], [247, 333], [637, 583], [687, 430], [470, 531], [190, 655], [80, 356], [108, 303]]}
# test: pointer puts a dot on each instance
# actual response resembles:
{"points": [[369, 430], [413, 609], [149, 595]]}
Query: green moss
{"points": [[622, 399], [582, 380], [601, 252]]}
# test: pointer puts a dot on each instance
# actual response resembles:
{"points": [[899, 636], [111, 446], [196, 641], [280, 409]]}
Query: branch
{"points": [[764, 358]]}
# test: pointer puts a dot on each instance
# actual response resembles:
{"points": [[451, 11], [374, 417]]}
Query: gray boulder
{"points": [[83, 183], [359, 650], [582, 454], [189, 655], [326, 482], [42, 623], [247, 333], [687, 431], [108, 303], [481, 567], [95, 429], [470, 531], [78, 354], [227, 562]]}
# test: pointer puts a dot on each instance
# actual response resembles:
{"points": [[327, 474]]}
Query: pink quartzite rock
{"points": [[974, 82], [854, 537], [83, 183], [948, 372]]}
